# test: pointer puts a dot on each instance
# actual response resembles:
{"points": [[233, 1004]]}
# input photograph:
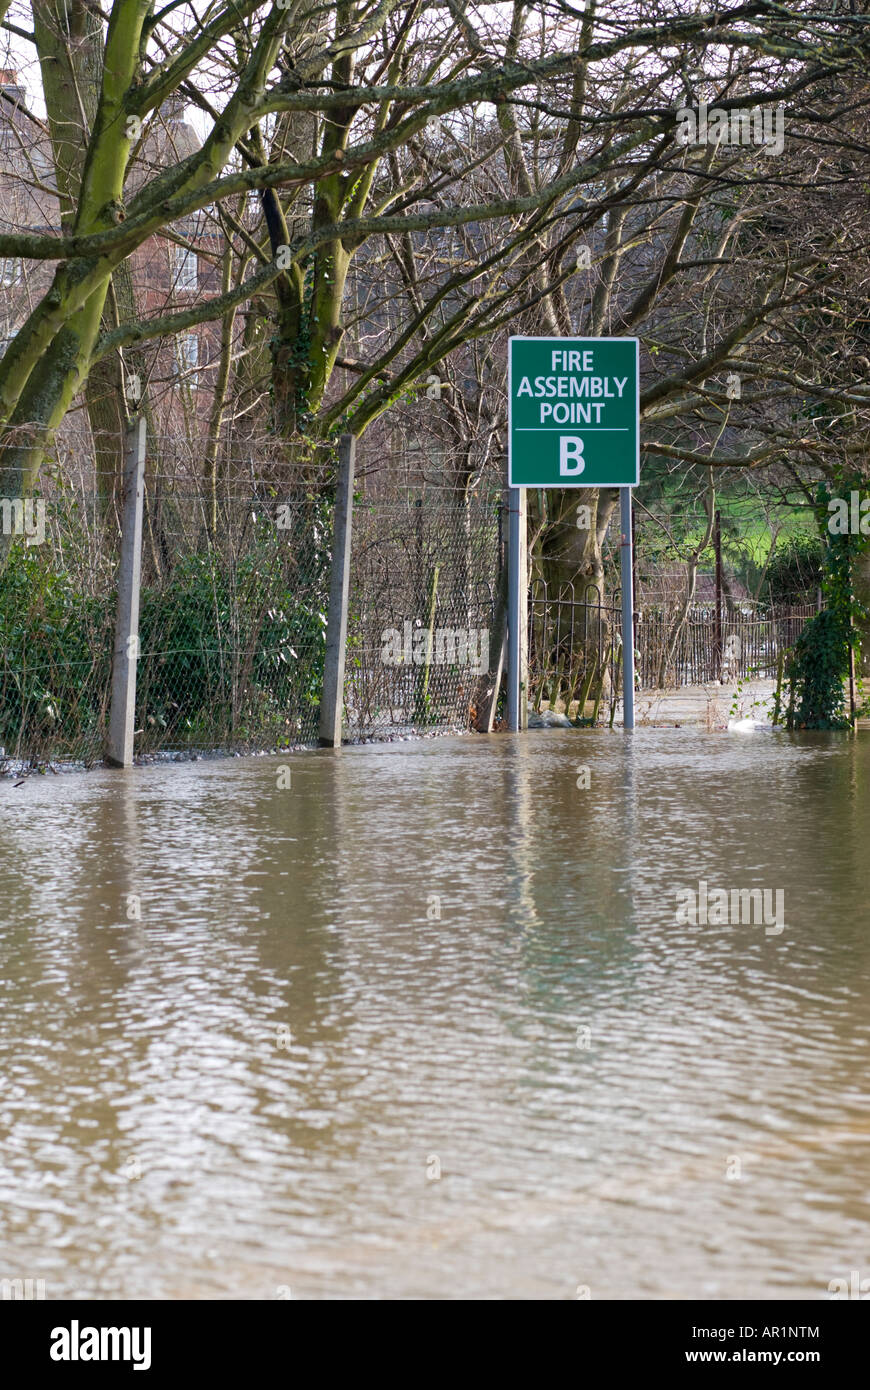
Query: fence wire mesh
{"points": [[423, 589], [234, 606], [57, 622], [236, 562], [235, 584]]}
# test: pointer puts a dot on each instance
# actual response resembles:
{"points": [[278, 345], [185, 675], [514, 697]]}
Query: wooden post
{"points": [[489, 685], [122, 714], [777, 699], [717, 639], [789, 717], [332, 699], [853, 715]]}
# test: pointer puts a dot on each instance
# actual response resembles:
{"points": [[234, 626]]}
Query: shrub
{"points": [[821, 660], [231, 651], [795, 570]]}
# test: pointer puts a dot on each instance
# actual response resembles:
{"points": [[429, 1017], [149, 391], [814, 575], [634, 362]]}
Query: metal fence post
{"points": [[122, 715], [491, 680], [625, 554], [332, 700], [524, 611]]}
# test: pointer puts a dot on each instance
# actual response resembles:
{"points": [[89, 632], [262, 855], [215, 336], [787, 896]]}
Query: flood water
{"points": [[250, 1091]]}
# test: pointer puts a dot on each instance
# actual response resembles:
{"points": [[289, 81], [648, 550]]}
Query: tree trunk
{"points": [[568, 558]]}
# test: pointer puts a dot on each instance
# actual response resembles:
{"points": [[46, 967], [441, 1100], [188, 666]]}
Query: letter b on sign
{"points": [[571, 461]]}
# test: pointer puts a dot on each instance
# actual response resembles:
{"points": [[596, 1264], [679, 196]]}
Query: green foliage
{"points": [[795, 570], [820, 663], [56, 653], [741, 694], [231, 648], [234, 647]]}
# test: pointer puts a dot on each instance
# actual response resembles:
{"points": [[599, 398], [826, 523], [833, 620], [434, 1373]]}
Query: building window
{"points": [[187, 358], [444, 240], [202, 222], [186, 269], [10, 270]]}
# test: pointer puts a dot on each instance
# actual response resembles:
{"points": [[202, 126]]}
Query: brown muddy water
{"points": [[439, 957]]}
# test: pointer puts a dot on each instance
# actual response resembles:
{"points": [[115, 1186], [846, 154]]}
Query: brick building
{"points": [[168, 272]]}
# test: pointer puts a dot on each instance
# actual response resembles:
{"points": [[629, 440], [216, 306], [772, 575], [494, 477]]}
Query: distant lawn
{"points": [[746, 531], [747, 534]]}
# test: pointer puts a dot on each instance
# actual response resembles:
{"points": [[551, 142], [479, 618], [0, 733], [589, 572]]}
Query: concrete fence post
{"points": [[119, 744], [518, 613], [332, 700]]}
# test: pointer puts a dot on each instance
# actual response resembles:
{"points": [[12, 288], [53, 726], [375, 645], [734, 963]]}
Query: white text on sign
{"points": [[597, 390], [570, 453]]}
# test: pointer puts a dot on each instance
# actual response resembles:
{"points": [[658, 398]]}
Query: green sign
{"points": [[573, 412]]}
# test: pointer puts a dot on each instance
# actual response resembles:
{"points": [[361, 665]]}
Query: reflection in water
{"points": [[438, 950]]}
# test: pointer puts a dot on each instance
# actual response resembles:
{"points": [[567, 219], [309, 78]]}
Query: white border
{"points": [[575, 342]]}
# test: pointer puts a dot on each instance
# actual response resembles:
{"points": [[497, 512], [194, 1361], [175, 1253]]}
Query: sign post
{"points": [[573, 421], [626, 547]]}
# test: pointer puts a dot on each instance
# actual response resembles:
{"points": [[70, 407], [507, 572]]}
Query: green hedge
{"points": [[232, 653]]}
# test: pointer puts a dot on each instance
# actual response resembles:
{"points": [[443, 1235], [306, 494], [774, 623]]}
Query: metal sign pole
{"points": [[515, 571], [626, 550]]}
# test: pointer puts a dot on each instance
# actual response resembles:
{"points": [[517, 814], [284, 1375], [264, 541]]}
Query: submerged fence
{"points": [[230, 628], [423, 590], [575, 639], [235, 580], [748, 641], [235, 577]]}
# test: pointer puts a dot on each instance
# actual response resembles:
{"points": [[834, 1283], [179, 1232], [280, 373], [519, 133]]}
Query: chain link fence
{"points": [[235, 583], [236, 564], [423, 590], [234, 605], [57, 622]]}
